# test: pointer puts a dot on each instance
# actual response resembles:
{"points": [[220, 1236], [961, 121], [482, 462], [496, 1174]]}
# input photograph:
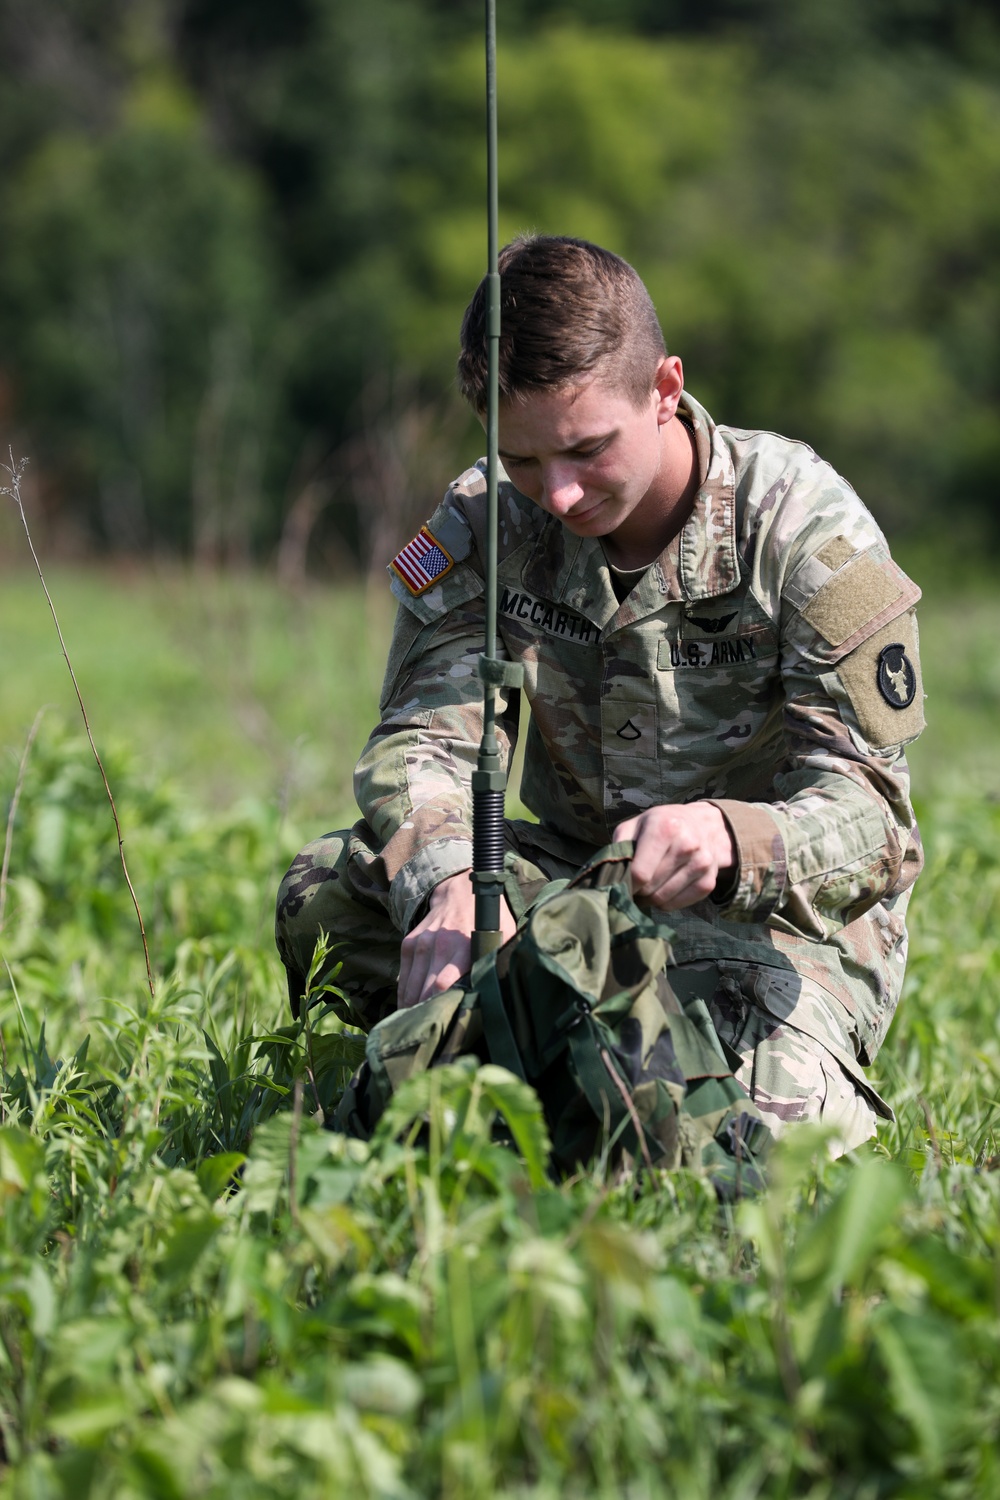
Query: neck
{"points": [[659, 516]]}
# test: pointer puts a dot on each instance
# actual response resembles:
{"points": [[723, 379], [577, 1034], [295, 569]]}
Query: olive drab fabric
{"points": [[792, 1044], [579, 1005], [767, 661]]}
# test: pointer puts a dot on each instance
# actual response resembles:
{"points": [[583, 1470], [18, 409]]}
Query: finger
{"points": [[440, 958], [653, 864], [443, 979], [653, 834], [670, 858], [433, 959], [416, 953], [405, 970], [685, 889], [627, 832], [447, 961], [677, 853], [410, 990]]}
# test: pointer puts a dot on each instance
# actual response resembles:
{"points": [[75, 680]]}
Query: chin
{"points": [[596, 523]]}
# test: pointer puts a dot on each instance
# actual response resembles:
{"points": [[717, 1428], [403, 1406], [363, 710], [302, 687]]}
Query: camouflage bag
{"points": [[578, 1003]]}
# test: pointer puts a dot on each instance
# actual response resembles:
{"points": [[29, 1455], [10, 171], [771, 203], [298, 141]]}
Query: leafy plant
{"points": [[204, 1292]]}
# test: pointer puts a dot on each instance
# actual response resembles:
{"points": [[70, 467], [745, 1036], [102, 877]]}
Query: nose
{"points": [[561, 490]]}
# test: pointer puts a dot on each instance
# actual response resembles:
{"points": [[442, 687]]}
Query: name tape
{"points": [[548, 618]]}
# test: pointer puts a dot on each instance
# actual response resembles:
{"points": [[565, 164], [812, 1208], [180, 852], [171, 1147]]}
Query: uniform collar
{"points": [[700, 563], [571, 570]]}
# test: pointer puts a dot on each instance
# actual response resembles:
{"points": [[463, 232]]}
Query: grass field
{"points": [[229, 687], [224, 685], [432, 1317]]}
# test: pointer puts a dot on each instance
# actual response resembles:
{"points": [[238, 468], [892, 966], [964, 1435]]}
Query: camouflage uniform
{"points": [[766, 662]]}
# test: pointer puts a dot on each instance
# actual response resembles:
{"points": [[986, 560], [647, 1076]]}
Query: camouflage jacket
{"points": [[767, 661]]}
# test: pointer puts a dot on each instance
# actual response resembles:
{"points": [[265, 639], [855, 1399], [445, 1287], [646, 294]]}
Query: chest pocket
{"points": [[717, 691], [629, 728]]}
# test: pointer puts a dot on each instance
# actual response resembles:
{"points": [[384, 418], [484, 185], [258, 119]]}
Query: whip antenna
{"points": [[489, 779]]}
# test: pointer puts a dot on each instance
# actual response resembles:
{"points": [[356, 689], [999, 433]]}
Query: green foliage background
{"points": [[205, 1294], [236, 241], [238, 235]]}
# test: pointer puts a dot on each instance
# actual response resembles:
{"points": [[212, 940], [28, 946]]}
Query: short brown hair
{"points": [[566, 307]]}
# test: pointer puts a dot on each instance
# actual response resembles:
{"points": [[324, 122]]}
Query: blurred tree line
{"points": [[236, 238]]}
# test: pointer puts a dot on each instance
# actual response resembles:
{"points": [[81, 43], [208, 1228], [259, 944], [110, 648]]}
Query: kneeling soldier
{"points": [[720, 659]]}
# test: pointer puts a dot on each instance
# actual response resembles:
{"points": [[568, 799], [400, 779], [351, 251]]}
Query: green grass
{"points": [[223, 684], [428, 1315], [229, 687]]}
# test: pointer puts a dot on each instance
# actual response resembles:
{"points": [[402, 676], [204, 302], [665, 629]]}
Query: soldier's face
{"points": [[588, 456]]}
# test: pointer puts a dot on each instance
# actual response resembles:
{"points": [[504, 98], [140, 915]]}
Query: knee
{"points": [[308, 893]]}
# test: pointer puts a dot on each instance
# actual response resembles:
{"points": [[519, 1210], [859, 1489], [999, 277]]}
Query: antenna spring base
{"points": [[487, 830]]}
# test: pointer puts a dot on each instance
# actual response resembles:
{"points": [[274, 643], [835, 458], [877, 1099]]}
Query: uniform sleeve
{"points": [[839, 834], [412, 782]]}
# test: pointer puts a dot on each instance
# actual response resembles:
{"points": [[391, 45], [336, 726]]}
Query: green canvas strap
{"points": [[496, 1025], [603, 1095], [644, 922]]}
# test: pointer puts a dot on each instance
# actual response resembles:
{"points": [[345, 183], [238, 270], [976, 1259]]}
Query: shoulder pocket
{"points": [[433, 573], [882, 679], [419, 620], [460, 585], [852, 615], [840, 597]]}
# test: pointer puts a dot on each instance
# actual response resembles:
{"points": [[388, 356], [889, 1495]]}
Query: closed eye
{"points": [[514, 461], [590, 452]]}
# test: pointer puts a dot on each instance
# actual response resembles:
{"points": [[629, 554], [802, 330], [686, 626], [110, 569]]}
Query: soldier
{"points": [[720, 659]]}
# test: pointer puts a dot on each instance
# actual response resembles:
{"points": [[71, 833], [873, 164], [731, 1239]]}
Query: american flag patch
{"points": [[422, 562]]}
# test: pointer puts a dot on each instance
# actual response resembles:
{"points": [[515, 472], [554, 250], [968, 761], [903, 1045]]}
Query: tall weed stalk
{"points": [[15, 472]]}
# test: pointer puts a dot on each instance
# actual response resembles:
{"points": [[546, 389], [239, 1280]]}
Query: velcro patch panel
{"points": [[856, 593], [845, 594]]}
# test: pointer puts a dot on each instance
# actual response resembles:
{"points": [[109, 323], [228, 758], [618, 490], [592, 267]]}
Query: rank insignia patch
{"points": [[897, 681], [422, 562]]}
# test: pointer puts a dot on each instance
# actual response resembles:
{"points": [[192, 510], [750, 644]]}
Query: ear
{"points": [[668, 384]]}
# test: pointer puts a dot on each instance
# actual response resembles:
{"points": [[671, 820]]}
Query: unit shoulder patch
{"points": [[837, 603], [882, 679], [422, 562], [897, 678]]}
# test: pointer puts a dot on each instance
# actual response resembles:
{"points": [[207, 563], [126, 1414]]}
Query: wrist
{"points": [[727, 855], [444, 888], [728, 840]]}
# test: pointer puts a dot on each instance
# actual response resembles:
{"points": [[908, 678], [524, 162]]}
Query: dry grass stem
{"points": [[630, 1106], [15, 469]]}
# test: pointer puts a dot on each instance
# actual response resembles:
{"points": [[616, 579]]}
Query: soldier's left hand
{"points": [[680, 853]]}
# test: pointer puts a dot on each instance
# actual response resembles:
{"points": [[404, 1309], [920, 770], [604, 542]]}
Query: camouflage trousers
{"points": [[789, 1041]]}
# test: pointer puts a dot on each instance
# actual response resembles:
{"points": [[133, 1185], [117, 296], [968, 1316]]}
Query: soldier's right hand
{"points": [[438, 950]]}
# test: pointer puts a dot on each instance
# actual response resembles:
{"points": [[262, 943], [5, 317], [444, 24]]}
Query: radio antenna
{"points": [[489, 780]]}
